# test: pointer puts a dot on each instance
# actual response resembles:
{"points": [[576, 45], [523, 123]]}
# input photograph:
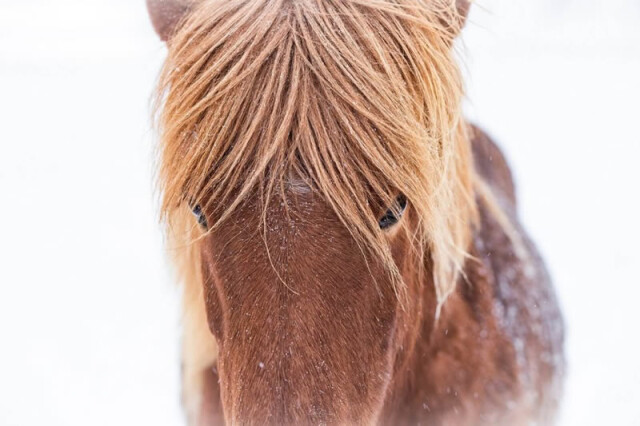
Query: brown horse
{"points": [[356, 256]]}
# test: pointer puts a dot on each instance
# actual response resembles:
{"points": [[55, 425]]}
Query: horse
{"points": [[349, 244]]}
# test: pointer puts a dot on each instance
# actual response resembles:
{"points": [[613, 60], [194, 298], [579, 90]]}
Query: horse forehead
{"points": [[298, 186]]}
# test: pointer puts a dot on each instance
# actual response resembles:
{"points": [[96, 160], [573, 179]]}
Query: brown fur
{"points": [[294, 125], [341, 353]]}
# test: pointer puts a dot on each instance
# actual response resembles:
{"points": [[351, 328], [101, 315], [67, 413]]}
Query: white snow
{"points": [[88, 313]]}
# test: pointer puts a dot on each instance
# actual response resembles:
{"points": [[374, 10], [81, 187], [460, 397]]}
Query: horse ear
{"points": [[463, 7], [166, 14]]}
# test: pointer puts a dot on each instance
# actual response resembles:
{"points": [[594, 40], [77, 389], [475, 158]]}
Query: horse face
{"points": [[306, 324]]}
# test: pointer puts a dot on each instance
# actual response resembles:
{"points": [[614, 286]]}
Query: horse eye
{"points": [[199, 214], [393, 215]]}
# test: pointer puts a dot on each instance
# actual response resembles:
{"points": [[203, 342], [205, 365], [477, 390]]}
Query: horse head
{"points": [[321, 148]]}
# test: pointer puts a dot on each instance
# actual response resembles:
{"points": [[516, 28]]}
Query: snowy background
{"points": [[88, 313]]}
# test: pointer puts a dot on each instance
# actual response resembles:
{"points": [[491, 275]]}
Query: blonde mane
{"points": [[361, 99]]}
